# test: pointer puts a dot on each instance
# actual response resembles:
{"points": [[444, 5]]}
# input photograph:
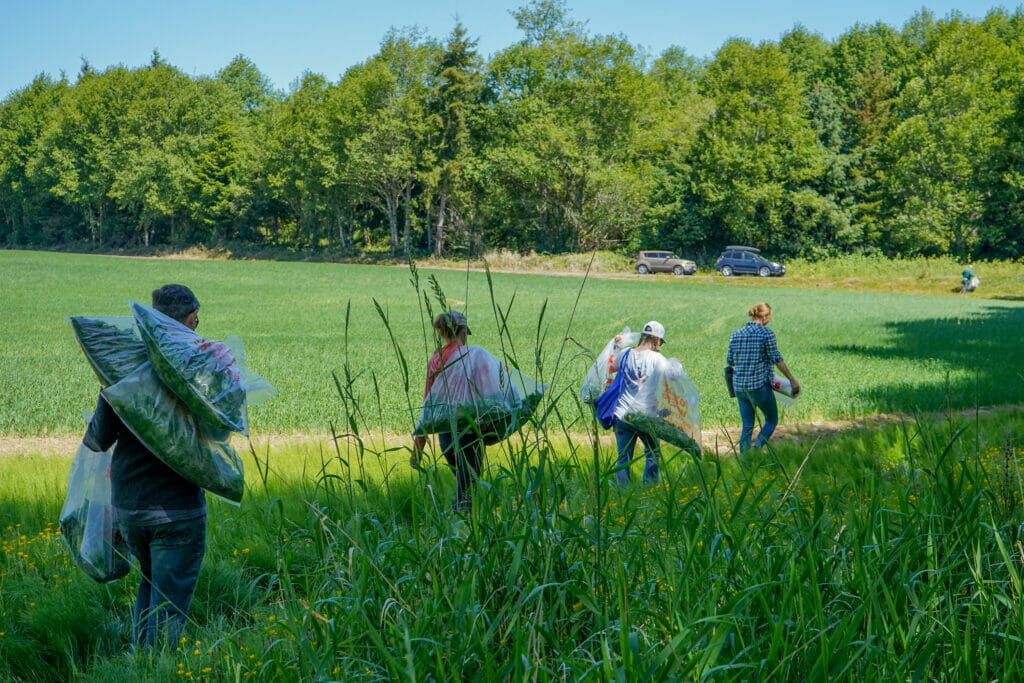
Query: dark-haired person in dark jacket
{"points": [[161, 514]]}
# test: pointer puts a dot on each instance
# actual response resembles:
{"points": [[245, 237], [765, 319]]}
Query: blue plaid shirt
{"points": [[752, 356]]}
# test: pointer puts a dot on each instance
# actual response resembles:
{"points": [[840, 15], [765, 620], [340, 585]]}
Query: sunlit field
{"points": [[855, 353], [887, 553]]}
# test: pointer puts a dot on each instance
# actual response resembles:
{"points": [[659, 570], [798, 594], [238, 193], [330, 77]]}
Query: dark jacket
{"points": [[140, 482]]}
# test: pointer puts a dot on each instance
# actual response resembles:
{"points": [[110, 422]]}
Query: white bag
{"points": [[87, 518], [476, 392], [783, 389], [600, 375], [677, 418]]}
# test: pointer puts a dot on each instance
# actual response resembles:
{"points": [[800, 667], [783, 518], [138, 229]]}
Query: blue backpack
{"points": [[604, 406]]}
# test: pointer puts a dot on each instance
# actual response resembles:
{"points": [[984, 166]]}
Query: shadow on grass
{"points": [[981, 353]]}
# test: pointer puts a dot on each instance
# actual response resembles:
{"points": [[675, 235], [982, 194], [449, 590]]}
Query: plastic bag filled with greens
{"points": [[475, 392], [165, 426], [676, 418], [600, 375], [201, 372], [87, 518], [111, 344]]}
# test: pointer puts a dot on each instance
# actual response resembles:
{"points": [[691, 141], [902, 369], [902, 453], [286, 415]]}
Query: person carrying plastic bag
{"points": [[470, 399], [650, 397], [753, 350], [161, 513]]}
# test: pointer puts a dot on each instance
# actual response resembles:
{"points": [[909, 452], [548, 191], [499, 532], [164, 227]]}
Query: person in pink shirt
{"points": [[463, 451]]}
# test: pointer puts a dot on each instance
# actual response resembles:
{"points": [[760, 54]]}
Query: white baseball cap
{"points": [[655, 329]]}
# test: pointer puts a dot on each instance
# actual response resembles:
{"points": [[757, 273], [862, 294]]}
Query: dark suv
{"points": [[737, 260]]}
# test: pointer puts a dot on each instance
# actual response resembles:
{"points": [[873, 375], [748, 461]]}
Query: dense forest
{"points": [[896, 140]]}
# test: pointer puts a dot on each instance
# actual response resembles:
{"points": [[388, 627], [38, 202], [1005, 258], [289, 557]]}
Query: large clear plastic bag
{"points": [[202, 373], [676, 417], [165, 426], [87, 522], [111, 344], [476, 392], [257, 389], [600, 375]]}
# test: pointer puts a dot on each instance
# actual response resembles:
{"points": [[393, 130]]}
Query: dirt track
{"points": [[723, 440]]}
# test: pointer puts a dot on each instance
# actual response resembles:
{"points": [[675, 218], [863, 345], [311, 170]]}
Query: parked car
{"points": [[738, 260], [663, 262]]}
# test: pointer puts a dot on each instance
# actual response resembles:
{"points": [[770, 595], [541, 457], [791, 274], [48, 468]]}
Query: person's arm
{"points": [[781, 365], [102, 431]]}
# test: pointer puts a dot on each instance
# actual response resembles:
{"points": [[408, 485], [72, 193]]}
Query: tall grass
{"points": [[875, 554]]}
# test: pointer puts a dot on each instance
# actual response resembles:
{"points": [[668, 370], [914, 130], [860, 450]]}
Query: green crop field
{"points": [[889, 553], [856, 353]]}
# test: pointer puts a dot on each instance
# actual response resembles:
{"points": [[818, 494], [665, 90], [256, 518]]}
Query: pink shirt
{"points": [[438, 361]]}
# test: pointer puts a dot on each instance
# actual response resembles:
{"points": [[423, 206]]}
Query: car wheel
{"points": [[764, 272], [727, 271], [678, 270], [642, 269]]}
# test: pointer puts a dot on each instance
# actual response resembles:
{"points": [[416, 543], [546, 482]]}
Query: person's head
{"points": [[760, 313], [653, 335], [178, 302], [451, 325]]}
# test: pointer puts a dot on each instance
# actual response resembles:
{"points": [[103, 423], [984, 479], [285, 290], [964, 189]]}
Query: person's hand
{"points": [[796, 388], [418, 442]]}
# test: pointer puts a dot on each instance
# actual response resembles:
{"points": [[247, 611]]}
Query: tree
{"points": [[453, 103], [25, 204], [253, 89], [757, 154]]}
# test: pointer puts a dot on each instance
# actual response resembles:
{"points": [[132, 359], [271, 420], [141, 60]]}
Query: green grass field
{"points": [[856, 353], [889, 553]]}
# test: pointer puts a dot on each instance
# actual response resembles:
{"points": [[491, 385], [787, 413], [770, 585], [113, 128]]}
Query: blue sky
{"points": [[285, 39]]}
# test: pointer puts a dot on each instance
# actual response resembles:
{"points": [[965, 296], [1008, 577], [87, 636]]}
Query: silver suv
{"points": [[663, 262]]}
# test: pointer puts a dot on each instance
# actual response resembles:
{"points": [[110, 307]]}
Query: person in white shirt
{"points": [[643, 367]]}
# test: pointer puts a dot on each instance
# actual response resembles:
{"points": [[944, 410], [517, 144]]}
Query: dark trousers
{"points": [[465, 455], [749, 400], [169, 558]]}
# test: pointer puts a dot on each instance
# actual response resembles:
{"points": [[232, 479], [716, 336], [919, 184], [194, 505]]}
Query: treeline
{"points": [[905, 141]]}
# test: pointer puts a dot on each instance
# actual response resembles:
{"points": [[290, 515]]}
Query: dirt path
{"points": [[722, 440]]}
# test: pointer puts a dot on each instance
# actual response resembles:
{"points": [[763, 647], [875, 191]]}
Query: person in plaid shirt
{"points": [[752, 353]]}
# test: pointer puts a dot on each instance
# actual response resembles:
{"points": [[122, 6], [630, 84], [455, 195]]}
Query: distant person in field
{"points": [[753, 355], [968, 279], [644, 367], [161, 514], [464, 451]]}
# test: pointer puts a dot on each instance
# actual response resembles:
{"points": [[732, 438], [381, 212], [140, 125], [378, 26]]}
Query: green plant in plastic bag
{"points": [[476, 392], [201, 372], [660, 428], [165, 426], [111, 344]]}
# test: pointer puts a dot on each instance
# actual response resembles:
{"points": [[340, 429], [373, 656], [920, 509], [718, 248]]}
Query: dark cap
{"points": [[452, 321], [175, 301]]}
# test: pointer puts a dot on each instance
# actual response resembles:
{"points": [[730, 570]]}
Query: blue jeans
{"points": [[625, 441], [749, 399], [465, 455], [169, 558]]}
